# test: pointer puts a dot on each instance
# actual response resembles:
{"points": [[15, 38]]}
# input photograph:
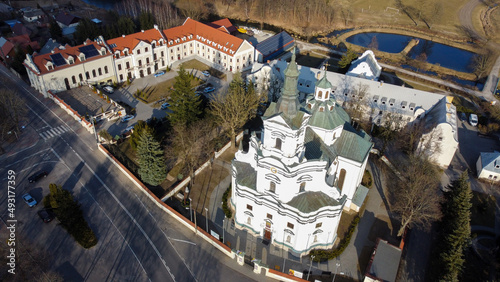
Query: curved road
{"points": [[465, 18]]}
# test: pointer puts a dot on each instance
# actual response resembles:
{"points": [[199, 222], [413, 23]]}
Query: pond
{"points": [[435, 53], [104, 4]]}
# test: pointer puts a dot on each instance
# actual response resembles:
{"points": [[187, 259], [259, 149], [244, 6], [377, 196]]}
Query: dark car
{"points": [[46, 215], [35, 177]]}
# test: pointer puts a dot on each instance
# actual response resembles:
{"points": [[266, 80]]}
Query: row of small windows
{"points": [[87, 74]]}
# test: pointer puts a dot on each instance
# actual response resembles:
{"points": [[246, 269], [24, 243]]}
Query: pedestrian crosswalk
{"points": [[56, 131]]}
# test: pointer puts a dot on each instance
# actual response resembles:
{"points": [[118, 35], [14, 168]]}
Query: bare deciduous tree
{"points": [[235, 108], [12, 112], [414, 193], [190, 145]]}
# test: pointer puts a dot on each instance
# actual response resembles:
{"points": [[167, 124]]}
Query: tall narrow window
{"points": [[80, 76], [302, 187], [272, 187], [320, 94], [288, 238], [249, 221], [105, 69], [341, 179], [278, 143], [128, 65], [99, 70], [73, 78], [93, 73]]}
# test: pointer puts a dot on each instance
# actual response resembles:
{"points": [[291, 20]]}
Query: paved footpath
{"points": [[374, 223]]}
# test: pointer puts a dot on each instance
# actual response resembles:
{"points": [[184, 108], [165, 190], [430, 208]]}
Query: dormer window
{"points": [[125, 52], [71, 61]]}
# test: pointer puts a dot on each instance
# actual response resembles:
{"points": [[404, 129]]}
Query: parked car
{"points": [[127, 118], [473, 119], [165, 105], [205, 73], [46, 215], [29, 200], [160, 73], [209, 89], [108, 89], [463, 117], [35, 177]]}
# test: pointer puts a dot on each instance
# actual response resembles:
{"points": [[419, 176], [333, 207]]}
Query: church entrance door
{"points": [[267, 231]]}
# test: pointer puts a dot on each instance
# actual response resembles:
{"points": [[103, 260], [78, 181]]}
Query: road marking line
{"points": [[28, 157], [131, 217], [168, 238], [119, 232], [42, 134], [36, 98]]}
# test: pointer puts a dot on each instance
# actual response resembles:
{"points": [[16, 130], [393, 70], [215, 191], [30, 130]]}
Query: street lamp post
{"points": [[190, 210], [310, 266], [206, 217], [338, 264], [223, 229], [282, 251]]}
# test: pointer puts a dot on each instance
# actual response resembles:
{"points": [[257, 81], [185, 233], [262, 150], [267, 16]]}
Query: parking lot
{"points": [[84, 101]]}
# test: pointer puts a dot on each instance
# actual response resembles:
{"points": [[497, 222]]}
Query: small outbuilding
{"points": [[384, 263], [274, 46], [488, 166], [365, 67]]}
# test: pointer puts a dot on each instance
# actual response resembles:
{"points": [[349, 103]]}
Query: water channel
{"points": [[435, 53]]}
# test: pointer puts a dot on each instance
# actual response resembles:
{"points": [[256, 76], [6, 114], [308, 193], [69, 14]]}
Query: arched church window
{"points": [[288, 238], [278, 143], [249, 221], [327, 95], [315, 239], [309, 106], [302, 187], [272, 187], [341, 179], [320, 94]]}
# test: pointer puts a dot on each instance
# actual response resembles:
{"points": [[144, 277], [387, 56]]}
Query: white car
{"points": [[205, 73], [108, 89], [473, 119]]}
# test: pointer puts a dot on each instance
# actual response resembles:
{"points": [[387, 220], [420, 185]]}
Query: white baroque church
{"points": [[292, 185]]}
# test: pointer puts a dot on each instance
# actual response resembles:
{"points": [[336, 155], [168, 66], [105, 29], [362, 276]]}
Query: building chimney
{"points": [[123, 35], [156, 26], [142, 30]]}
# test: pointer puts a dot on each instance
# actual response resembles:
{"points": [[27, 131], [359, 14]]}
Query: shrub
{"points": [[68, 212], [322, 255], [367, 180], [225, 207]]}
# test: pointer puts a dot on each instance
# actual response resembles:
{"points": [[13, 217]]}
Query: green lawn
{"points": [[162, 90]]}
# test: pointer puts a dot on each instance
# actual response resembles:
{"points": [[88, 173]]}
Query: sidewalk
{"points": [[374, 223]]}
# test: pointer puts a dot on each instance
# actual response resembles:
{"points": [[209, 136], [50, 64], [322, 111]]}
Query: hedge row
{"points": [[225, 208], [322, 255]]}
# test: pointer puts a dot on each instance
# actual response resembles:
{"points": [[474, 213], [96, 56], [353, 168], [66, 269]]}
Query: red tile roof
{"points": [[131, 40], [41, 60], [23, 41], [225, 23], [215, 38], [6, 48]]}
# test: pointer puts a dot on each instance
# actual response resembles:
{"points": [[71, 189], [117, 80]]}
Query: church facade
{"points": [[293, 183]]}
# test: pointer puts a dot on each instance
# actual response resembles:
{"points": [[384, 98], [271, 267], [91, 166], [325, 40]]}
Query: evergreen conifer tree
{"points": [[185, 105], [152, 167], [455, 231]]}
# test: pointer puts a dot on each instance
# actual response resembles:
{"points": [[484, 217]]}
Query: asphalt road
{"points": [[137, 240]]}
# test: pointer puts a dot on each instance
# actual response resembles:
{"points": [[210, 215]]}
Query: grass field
{"points": [[162, 90]]}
